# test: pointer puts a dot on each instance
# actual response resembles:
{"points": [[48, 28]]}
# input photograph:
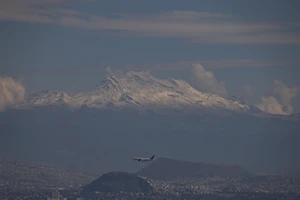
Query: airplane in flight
{"points": [[143, 159]]}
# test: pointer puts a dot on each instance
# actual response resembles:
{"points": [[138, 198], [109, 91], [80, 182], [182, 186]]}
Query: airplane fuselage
{"points": [[141, 159]]}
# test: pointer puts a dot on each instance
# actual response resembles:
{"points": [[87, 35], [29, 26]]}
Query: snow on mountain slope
{"points": [[139, 90], [46, 98]]}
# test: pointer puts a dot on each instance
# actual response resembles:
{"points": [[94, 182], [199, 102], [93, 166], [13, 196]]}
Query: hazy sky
{"points": [[245, 48]]}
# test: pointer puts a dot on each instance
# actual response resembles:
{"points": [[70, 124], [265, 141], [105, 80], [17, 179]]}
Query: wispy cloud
{"points": [[170, 66], [247, 91], [215, 64], [179, 15], [205, 81], [201, 27], [271, 105], [11, 92], [286, 94], [29, 11]]}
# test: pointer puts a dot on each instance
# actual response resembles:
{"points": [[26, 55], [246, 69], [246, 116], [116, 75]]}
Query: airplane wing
{"points": [[137, 159]]}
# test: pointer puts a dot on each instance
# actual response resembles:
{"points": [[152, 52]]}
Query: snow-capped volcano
{"points": [[139, 90], [46, 98]]}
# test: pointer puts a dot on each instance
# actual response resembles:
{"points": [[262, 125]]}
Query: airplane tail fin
{"points": [[152, 157]]}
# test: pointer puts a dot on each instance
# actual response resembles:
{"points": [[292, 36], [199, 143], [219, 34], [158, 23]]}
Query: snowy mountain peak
{"points": [[140, 90], [49, 97], [46, 98]]}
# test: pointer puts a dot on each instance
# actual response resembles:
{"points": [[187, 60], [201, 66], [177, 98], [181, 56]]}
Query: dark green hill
{"points": [[115, 182]]}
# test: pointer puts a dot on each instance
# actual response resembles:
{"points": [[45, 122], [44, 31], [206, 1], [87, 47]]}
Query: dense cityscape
{"points": [[19, 178], [258, 187]]}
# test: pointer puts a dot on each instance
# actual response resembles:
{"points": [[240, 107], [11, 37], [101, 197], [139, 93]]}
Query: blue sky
{"points": [[67, 44]]}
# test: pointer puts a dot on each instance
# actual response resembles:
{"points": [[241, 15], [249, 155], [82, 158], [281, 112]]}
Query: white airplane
{"points": [[143, 159]]}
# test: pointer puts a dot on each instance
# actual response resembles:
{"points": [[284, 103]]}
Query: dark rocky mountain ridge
{"points": [[115, 182], [170, 169]]}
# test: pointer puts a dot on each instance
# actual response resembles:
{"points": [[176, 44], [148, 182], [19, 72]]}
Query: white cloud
{"points": [[11, 92], [285, 93], [205, 81], [203, 27], [271, 105]]}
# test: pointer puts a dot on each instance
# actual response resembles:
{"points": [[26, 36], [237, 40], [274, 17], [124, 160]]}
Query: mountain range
{"points": [[143, 92], [136, 114]]}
